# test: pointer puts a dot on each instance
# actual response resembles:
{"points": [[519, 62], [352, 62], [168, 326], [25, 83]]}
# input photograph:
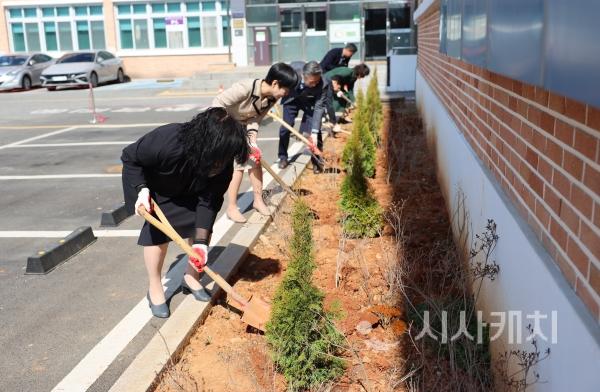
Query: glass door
{"points": [[316, 43], [303, 33], [291, 34], [375, 33], [400, 36]]}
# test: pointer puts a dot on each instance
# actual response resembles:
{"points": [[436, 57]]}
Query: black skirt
{"points": [[181, 214]]}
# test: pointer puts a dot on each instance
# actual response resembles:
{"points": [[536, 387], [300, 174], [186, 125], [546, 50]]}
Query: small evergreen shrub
{"points": [[375, 113], [305, 344], [362, 138], [362, 215]]}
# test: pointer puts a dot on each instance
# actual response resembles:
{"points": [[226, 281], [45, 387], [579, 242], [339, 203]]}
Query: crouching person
{"points": [[185, 168]]}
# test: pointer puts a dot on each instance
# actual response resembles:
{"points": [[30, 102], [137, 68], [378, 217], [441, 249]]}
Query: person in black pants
{"points": [[310, 96], [338, 57], [185, 168]]}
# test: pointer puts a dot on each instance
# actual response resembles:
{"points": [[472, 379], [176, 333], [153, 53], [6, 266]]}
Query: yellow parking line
{"points": [[170, 93], [113, 98]]}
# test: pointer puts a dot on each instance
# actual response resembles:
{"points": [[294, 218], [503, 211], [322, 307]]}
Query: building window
{"points": [[195, 37], [173, 25], [32, 37], [50, 36], [226, 31], [18, 37], [57, 28], [160, 33], [126, 34], [64, 36], [140, 34]]}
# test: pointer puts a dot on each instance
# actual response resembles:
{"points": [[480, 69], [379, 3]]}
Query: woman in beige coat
{"points": [[249, 101]]}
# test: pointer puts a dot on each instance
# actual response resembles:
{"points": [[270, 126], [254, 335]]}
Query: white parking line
{"points": [[75, 144], [117, 233], [37, 137], [57, 176], [86, 144], [35, 234], [88, 125], [104, 353], [64, 233]]}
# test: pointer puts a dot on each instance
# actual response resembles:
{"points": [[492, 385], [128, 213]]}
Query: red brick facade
{"points": [[544, 150]]}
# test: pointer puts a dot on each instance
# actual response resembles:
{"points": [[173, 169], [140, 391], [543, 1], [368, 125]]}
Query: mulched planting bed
{"points": [[358, 276]]}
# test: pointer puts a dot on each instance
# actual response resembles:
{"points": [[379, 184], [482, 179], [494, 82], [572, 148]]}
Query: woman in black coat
{"points": [[186, 168]]}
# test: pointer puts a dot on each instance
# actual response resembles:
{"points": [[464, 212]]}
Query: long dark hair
{"points": [[213, 139]]}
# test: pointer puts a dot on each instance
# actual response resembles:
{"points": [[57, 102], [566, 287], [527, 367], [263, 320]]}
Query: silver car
{"points": [[84, 68], [22, 70]]}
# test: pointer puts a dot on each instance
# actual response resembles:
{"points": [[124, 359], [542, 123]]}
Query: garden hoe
{"points": [[255, 311]]}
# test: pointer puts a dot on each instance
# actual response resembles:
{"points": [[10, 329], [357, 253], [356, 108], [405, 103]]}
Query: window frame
{"points": [[40, 19], [219, 13]]}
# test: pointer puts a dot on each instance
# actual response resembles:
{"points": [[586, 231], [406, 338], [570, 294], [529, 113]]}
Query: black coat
{"points": [[334, 59], [314, 100], [157, 160]]}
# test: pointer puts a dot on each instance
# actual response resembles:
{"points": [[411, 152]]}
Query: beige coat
{"points": [[244, 103]]}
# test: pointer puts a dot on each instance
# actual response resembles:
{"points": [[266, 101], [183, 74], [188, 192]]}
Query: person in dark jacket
{"points": [[338, 57], [185, 168], [310, 96], [342, 82]]}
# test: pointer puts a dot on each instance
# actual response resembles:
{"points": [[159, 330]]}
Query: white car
{"points": [[84, 68], [22, 71]]}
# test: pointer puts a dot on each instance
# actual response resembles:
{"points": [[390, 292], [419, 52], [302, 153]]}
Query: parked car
{"points": [[83, 68], [22, 70]]}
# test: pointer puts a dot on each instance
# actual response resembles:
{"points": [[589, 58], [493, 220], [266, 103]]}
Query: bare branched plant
{"points": [[525, 362]]}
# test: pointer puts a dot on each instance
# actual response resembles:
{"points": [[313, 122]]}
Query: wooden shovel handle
{"points": [[295, 132], [278, 179], [172, 234], [347, 99]]}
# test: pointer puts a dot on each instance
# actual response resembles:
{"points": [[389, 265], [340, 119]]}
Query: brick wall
{"points": [[544, 150]]}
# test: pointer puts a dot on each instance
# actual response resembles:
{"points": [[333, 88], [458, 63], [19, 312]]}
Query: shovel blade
{"points": [[257, 313]]}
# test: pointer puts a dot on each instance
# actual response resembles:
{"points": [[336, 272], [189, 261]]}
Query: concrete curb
{"points": [[46, 260], [114, 217], [167, 345]]}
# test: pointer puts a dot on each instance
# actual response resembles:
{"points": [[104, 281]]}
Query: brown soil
{"points": [[223, 355]]}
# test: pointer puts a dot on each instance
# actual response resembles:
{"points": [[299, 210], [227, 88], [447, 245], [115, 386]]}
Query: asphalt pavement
{"points": [[59, 172]]}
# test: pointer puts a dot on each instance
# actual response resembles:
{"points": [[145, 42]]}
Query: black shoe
{"points": [[283, 163], [317, 169], [160, 311], [201, 294]]}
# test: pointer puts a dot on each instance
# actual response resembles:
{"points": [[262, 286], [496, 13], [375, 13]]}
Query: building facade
{"points": [[285, 30], [180, 38], [508, 91], [155, 39]]}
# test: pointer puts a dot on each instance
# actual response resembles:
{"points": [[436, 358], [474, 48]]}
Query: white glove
{"points": [[337, 128], [340, 94], [199, 262], [255, 152], [143, 200]]}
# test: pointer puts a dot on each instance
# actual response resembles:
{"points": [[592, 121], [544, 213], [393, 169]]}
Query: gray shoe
{"points": [[201, 294], [160, 311]]}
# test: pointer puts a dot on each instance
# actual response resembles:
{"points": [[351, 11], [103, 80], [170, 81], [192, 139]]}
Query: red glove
{"points": [[312, 146], [255, 153], [202, 251]]}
